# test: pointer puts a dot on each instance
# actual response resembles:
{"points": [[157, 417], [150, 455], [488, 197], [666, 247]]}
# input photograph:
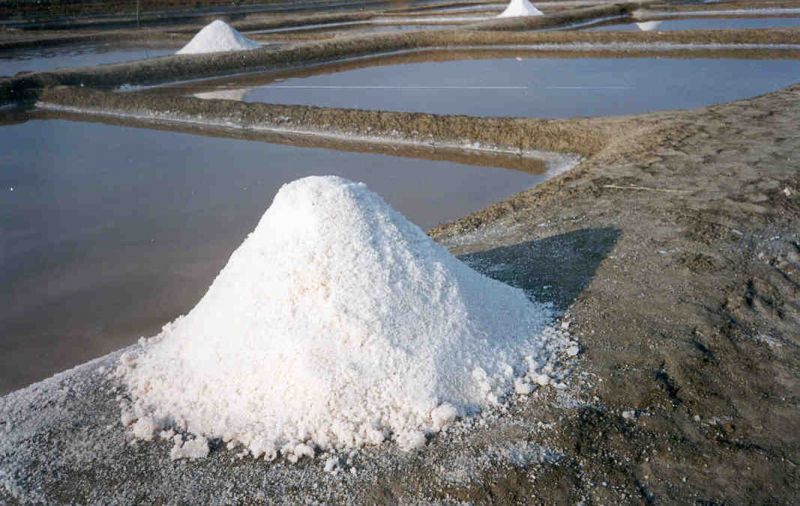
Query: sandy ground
{"points": [[675, 251]]}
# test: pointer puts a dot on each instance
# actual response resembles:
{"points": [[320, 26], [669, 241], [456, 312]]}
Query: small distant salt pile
{"points": [[518, 8], [648, 26], [218, 36], [337, 323]]}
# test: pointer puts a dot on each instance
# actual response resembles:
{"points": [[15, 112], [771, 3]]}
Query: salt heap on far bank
{"points": [[337, 323], [216, 37], [648, 26], [518, 8]]}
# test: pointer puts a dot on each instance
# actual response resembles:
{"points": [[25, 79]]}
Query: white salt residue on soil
{"points": [[337, 324], [217, 37], [238, 94], [518, 8]]}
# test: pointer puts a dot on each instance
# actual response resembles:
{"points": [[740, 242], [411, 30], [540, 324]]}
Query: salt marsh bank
{"points": [[640, 343]]}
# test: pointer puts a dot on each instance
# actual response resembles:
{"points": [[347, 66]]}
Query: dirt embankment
{"points": [[516, 135], [691, 321]]}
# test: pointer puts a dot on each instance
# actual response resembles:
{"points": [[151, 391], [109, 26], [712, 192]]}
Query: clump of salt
{"points": [[519, 8], [218, 36], [336, 324]]}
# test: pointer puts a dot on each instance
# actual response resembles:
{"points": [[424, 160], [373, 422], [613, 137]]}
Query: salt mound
{"points": [[337, 323], [517, 8], [648, 26], [218, 36]]}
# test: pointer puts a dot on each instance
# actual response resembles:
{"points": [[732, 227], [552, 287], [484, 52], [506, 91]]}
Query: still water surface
{"points": [[701, 24], [514, 86], [37, 60]]}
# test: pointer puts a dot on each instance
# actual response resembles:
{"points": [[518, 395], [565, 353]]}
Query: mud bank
{"points": [[509, 135], [185, 67], [474, 157], [675, 252]]}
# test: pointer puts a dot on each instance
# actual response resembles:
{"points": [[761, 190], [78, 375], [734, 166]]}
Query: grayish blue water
{"points": [[702, 24], [525, 87], [36, 60]]}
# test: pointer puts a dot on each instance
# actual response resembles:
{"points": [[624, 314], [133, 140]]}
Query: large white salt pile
{"points": [[216, 37], [337, 323], [517, 8]]}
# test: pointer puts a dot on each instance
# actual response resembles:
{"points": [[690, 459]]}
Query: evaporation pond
{"points": [[515, 86], [37, 60], [709, 23], [109, 232]]}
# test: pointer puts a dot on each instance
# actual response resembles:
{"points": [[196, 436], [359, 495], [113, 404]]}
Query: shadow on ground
{"points": [[555, 269]]}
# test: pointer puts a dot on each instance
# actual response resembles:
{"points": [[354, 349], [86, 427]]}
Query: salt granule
{"points": [[218, 36], [192, 449], [336, 324]]}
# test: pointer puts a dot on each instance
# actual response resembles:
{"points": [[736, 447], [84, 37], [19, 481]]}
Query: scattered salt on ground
{"points": [[517, 8], [238, 95], [216, 37], [336, 324]]}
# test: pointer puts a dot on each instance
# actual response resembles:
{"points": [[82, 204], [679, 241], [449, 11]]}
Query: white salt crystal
{"points": [[303, 450], [144, 428], [192, 449], [443, 416], [127, 418], [409, 441], [332, 464], [522, 387]]}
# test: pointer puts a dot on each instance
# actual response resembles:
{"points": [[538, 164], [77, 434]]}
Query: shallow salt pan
{"points": [[79, 55], [520, 84], [707, 23]]}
